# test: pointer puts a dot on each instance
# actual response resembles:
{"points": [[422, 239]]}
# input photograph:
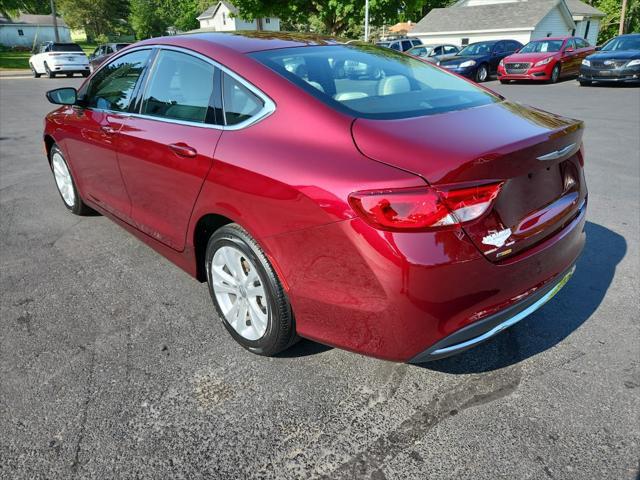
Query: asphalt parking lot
{"points": [[113, 364]]}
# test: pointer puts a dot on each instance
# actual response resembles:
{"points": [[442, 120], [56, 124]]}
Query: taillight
{"points": [[423, 208]]}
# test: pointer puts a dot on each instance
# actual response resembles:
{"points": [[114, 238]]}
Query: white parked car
{"points": [[59, 58]]}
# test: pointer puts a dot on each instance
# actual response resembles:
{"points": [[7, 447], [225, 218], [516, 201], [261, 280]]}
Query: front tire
{"points": [[247, 294], [505, 82], [555, 74], [65, 183], [482, 73], [584, 83], [34, 72]]}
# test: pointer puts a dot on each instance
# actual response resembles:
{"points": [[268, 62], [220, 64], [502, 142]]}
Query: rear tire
{"points": [[48, 71], [584, 83], [85, 74], [555, 74], [482, 74], [69, 75], [66, 185], [247, 293]]}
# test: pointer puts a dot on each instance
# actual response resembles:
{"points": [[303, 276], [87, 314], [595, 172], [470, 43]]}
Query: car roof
{"points": [[251, 41], [552, 38]]}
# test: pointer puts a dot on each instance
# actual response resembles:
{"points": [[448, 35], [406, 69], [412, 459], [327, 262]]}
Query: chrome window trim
{"points": [[268, 108]]}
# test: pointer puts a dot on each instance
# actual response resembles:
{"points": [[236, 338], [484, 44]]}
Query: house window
{"points": [[20, 32], [573, 32], [224, 18], [465, 42], [267, 20], [586, 30]]}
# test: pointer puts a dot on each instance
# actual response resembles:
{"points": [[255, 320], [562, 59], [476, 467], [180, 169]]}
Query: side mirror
{"points": [[568, 50], [63, 96], [598, 48]]}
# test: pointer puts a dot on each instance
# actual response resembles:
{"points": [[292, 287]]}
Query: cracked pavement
{"points": [[113, 364]]}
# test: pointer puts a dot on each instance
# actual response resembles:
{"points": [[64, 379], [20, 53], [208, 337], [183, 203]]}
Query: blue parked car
{"points": [[479, 60]]}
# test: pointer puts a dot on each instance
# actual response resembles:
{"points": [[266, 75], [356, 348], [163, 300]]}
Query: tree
{"points": [[10, 8], [96, 17], [333, 17], [147, 18], [612, 9]]}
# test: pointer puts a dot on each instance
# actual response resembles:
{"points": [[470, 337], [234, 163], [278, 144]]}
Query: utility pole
{"points": [[622, 15], [54, 16], [366, 20]]}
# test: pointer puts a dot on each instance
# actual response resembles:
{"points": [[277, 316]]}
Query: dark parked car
{"points": [[103, 52], [408, 215], [618, 61], [401, 44], [481, 59], [434, 53]]}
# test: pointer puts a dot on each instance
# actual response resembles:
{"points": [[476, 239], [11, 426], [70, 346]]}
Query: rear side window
{"points": [[180, 87], [113, 86], [371, 82], [239, 102]]}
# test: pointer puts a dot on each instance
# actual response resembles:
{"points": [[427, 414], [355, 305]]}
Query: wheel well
{"points": [[204, 229], [48, 143]]}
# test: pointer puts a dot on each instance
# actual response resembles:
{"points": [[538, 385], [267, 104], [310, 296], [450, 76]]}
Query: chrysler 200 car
{"points": [[405, 213]]}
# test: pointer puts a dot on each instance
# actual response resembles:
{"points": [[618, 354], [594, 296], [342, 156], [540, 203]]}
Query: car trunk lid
{"points": [[534, 154]]}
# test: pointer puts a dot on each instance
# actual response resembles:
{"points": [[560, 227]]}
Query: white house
{"points": [[223, 17], [469, 21], [28, 30]]}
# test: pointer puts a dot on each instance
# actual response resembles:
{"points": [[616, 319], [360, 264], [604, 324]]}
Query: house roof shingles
{"points": [[485, 17], [211, 11], [27, 19], [580, 8]]}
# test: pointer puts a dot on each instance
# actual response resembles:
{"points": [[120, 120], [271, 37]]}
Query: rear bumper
{"points": [[71, 68], [484, 329]]}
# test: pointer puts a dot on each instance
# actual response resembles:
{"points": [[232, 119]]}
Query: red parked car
{"points": [[547, 59], [404, 212]]}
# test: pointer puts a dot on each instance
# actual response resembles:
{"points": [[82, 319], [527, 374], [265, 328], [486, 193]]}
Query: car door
{"points": [[38, 59], [92, 131], [498, 53], [166, 150], [570, 58]]}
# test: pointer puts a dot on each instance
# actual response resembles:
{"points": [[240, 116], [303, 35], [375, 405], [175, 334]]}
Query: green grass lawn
{"points": [[13, 60]]}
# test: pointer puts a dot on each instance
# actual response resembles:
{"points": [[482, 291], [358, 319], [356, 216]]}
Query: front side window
{"points": [[372, 82], [395, 46], [179, 88], [570, 44], [542, 46], [498, 48], [113, 86], [239, 102], [406, 45]]}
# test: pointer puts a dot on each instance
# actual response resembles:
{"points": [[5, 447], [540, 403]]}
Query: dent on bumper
{"points": [[487, 328]]}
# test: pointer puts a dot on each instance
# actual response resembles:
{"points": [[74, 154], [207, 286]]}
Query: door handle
{"points": [[109, 130], [183, 150]]}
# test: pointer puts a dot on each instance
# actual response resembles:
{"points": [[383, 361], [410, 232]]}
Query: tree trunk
{"points": [[622, 15]]}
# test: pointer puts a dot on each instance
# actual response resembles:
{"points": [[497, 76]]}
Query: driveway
{"points": [[114, 365]]}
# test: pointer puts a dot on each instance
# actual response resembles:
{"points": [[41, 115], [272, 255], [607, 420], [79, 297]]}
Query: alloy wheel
{"points": [[63, 179], [240, 292]]}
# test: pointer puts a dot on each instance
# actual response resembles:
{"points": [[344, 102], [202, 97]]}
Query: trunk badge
{"points": [[497, 239], [558, 153]]}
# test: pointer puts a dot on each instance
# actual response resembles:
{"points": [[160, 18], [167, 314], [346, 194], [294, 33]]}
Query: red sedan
{"points": [[547, 59], [348, 194]]}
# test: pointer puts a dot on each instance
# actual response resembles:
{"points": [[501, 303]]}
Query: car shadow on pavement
{"points": [[547, 327]]}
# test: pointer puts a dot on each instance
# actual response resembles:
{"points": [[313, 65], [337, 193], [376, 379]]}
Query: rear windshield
{"points": [[542, 46], [65, 47], [373, 82]]}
